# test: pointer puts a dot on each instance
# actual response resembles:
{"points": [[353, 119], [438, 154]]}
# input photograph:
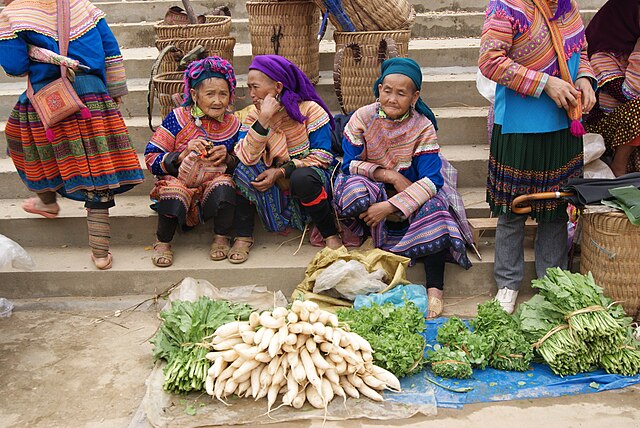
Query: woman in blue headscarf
{"points": [[284, 149], [392, 179]]}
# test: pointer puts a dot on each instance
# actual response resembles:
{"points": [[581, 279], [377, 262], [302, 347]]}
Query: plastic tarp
{"points": [[497, 385]]}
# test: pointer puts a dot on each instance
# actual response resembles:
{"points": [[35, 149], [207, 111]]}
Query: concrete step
{"points": [[427, 52], [427, 25], [132, 222], [68, 271], [441, 87]]}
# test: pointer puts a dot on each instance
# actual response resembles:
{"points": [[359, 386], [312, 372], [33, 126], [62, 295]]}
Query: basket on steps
{"points": [[214, 26], [221, 46]]}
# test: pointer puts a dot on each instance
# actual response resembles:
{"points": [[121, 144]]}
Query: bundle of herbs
{"points": [[511, 349], [449, 363], [456, 335], [393, 332], [179, 339]]}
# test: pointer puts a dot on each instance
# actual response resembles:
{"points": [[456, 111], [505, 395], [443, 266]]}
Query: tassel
{"points": [[51, 136], [85, 113], [577, 129]]}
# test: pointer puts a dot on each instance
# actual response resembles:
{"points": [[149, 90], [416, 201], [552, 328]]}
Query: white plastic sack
{"points": [[257, 296], [486, 87], [12, 254], [594, 147], [350, 279], [598, 169]]}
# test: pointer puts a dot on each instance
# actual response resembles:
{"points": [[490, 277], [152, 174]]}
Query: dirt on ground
{"points": [[82, 366]]}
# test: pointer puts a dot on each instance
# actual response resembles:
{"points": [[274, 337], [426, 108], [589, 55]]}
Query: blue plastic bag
{"points": [[397, 295]]}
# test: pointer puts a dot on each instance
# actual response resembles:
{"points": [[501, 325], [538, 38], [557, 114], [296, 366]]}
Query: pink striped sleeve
{"points": [[363, 168], [413, 197], [631, 85]]}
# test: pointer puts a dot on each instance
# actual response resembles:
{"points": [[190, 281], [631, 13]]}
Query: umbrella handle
{"points": [[522, 204]]}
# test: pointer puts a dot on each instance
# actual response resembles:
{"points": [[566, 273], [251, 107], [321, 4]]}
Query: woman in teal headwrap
{"points": [[393, 182]]}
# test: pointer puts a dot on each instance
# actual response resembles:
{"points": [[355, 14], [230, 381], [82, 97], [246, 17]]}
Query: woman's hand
{"points": [[217, 155], [268, 108], [266, 179], [588, 95], [399, 181], [377, 212], [197, 145], [117, 100], [561, 92]]}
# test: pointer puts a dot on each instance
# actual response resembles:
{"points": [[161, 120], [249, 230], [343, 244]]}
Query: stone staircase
{"points": [[445, 42]]}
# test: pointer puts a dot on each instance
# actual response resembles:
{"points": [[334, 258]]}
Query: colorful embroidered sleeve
{"points": [[631, 85], [160, 155], [497, 38], [319, 131], [251, 144], [609, 70], [585, 69], [14, 57], [114, 64], [353, 145]]}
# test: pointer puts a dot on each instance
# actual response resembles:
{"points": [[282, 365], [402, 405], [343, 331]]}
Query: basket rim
{"points": [[223, 19], [373, 32]]}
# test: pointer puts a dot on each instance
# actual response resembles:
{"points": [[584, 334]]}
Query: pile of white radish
{"points": [[300, 353]]}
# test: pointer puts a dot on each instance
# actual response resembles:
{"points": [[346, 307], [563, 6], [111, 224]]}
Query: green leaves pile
{"points": [[179, 339], [447, 362], [456, 335], [393, 332], [575, 328]]}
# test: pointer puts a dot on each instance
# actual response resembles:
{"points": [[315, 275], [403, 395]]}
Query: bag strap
{"points": [[556, 39]]}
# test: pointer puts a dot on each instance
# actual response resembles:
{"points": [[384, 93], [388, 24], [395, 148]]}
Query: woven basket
{"points": [[288, 29], [380, 15], [357, 63], [610, 250], [214, 26], [221, 46]]}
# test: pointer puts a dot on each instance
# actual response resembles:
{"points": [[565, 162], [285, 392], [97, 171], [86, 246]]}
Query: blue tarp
{"points": [[497, 385]]}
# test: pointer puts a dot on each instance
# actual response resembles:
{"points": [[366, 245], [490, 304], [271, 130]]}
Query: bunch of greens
{"points": [[449, 363], [179, 339], [625, 361], [393, 332], [456, 335], [511, 349]]}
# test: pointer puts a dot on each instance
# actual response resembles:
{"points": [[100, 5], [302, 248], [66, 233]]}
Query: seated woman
{"points": [[392, 177], [284, 149], [191, 157], [615, 58]]}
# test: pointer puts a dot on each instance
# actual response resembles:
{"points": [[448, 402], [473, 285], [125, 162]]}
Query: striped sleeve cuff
{"points": [[251, 147], [413, 197], [116, 77], [366, 169], [541, 85]]}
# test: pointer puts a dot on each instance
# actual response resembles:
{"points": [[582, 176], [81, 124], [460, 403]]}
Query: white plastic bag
{"points": [[593, 147], [12, 254], [6, 306], [350, 279], [486, 87]]}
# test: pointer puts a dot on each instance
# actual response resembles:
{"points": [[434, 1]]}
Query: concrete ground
{"points": [[76, 364]]}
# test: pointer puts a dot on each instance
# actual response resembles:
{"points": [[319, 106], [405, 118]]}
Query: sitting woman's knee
{"points": [[305, 183]]}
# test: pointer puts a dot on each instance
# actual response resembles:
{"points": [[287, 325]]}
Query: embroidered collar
{"points": [[383, 115]]}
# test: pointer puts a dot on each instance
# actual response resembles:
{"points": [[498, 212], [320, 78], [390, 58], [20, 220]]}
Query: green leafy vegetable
{"points": [[393, 332], [456, 335], [179, 339], [450, 363]]}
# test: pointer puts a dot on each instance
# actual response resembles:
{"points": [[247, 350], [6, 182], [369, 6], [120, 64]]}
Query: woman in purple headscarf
{"points": [[614, 52], [284, 149]]}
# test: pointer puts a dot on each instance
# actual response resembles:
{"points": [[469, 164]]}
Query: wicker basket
{"points": [[222, 46], [380, 15], [357, 63], [214, 26], [610, 248], [288, 29]]}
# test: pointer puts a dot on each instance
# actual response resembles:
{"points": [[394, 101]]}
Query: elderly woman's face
{"points": [[212, 96], [397, 95], [260, 85]]}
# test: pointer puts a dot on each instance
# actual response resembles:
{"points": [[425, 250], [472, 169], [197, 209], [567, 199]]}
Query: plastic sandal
{"points": [[217, 249], [29, 205], [162, 258], [243, 253], [103, 263]]}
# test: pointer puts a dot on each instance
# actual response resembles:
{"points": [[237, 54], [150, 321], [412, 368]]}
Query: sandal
{"points": [[242, 254], [435, 306], [30, 206], [103, 263], [162, 257], [219, 251]]}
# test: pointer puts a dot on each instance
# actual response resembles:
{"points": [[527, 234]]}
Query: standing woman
{"points": [[191, 157], [614, 51], [88, 156], [285, 156], [392, 178], [532, 147]]}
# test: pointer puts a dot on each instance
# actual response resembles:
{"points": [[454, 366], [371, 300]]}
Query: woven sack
{"points": [[357, 63], [214, 26], [609, 250], [380, 15], [288, 29]]}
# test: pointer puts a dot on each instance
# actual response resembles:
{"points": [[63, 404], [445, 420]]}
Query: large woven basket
{"points": [[357, 63], [288, 29], [222, 47], [214, 26], [380, 15], [610, 250]]}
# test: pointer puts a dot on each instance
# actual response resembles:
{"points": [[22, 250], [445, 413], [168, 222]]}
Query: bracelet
{"points": [[384, 175], [284, 172]]}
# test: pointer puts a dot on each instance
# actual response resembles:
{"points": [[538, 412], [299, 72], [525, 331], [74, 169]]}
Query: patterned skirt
{"points": [[90, 159], [429, 230], [620, 127], [531, 163], [276, 208]]}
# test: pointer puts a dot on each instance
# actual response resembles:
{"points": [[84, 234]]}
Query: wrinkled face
{"points": [[260, 85], [397, 95], [212, 96]]}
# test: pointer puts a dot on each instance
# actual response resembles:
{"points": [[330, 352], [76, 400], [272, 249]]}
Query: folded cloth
{"points": [[593, 190]]}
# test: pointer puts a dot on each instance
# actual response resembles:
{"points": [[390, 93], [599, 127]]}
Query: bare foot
{"points": [[334, 242], [239, 253]]}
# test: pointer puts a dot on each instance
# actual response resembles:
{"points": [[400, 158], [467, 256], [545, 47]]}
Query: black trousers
{"points": [[434, 269]]}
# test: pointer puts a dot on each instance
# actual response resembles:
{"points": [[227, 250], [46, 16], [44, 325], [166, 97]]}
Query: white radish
{"points": [[266, 339], [373, 382], [323, 317], [318, 328], [280, 312], [274, 345], [212, 356], [341, 367], [266, 320], [255, 380], [243, 387], [314, 397], [230, 387], [355, 381], [304, 314], [296, 306], [302, 339], [367, 357], [311, 345], [318, 339], [228, 344], [248, 353], [313, 316], [263, 357], [327, 391], [327, 347], [228, 329], [245, 369], [339, 391], [230, 355], [370, 393], [298, 372], [254, 319], [328, 333], [335, 358], [272, 395], [310, 368], [310, 306], [278, 376], [351, 390], [332, 376], [291, 339], [387, 377], [288, 348], [292, 317], [298, 402], [333, 320], [257, 339], [337, 335], [319, 361], [208, 385], [248, 336], [218, 365]]}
